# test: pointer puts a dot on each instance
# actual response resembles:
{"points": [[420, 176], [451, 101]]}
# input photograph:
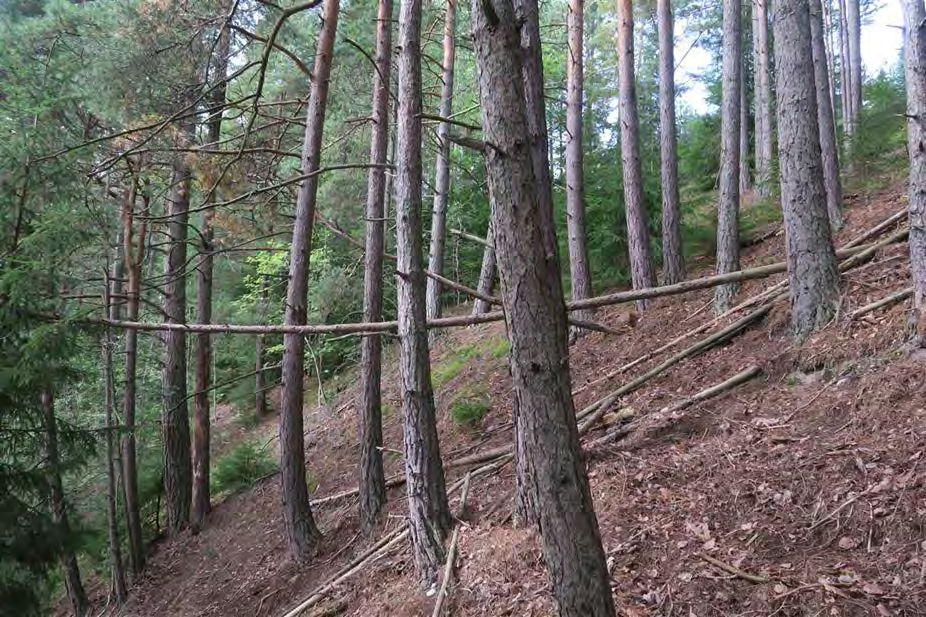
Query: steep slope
{"points": [[804, 484]]}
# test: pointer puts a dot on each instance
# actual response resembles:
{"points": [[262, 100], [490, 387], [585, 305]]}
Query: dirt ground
{"points": [[798, 493]]}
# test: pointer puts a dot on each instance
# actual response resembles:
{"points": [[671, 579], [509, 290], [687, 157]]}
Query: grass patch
{"points": [[500, 348], [453, 365], [241, 467], [470, 408]]}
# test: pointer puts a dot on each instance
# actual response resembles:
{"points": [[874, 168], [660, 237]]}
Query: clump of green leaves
{"points": [[470, 407], [241, 467]]}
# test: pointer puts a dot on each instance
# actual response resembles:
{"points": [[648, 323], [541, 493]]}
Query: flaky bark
{"points": [[641, 265], [673, 258], [763, 100], [812, 271], [828, 147], [302, 534], [915, 72], [579, 270], [442, 170], [728, 206], [372, 480], [429, 514], [536, 322], [486, 284]]}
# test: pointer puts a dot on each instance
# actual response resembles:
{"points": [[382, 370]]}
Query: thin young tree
{"points": [[641, 264], [442, 168], [372, 480], [486, 284], [844, 77], [854, 41], [302, 534], [762, 100], [915, 72], [745, 177], [536, 321], [580, 275], [429, 514], [828, 145], [728, 206], [812, 271], [72, 580], [673, 258]]}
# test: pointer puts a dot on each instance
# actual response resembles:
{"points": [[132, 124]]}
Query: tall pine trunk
{"points": [[728, 206], [302, 534], [825, 120], [175, 416], [72, 581], [486, 284], [762, 100], [536, 322], [429, 514], [745, 177], [372, 480], [579, 270], [641, 265], [844, 77], [812, 272], [854, 34], [915, 71], [673, 258], [442, 169]]}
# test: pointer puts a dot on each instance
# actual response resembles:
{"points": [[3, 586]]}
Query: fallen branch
{"points": [[451, 552], [890, 300], [746, 576], [877, 229]]}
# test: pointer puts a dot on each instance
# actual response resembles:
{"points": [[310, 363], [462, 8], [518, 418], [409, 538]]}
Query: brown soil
{"points": [[809, 477]]}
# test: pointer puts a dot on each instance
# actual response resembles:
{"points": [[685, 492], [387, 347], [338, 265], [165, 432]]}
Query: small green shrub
{"points": [[500, 349], [452, 366], [470, 408], [241, 467]]}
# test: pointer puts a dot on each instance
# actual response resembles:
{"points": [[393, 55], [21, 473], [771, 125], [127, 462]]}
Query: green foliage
{"points": [[878, 146], [240, 467], [451, 366], [470, 407]]}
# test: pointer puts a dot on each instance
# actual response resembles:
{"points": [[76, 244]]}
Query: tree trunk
{"points": [[175, 416], [442, 171], [536, 321], [528, 16], [302, 534], [844, 77], [728, 207], [486, 284], [673, 258], [827, 128], [260, 349], [763, 100], [133, 261], [812, 271], [372, 480], [745, 178], [72, 581], [829, 48], [201, 424], [429, 514], [641, 265], [915, 71], [117, 572], [854, 30], [579, 270]]}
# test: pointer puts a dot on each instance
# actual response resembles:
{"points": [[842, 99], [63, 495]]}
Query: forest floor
{"points": [[808, 479]]}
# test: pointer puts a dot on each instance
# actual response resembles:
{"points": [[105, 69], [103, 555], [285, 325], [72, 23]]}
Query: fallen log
{"points": [[875, 231], [452, 551], [890, 300]]}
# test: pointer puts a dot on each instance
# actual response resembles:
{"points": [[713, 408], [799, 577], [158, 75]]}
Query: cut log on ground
{"points": [[890, 300]]}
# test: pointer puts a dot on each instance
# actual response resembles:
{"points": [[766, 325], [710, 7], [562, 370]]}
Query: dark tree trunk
{"points": [[728, 245], [372, 480], [579, 269], [175, 416], [486, 285], [915, 70], [673, 258], [828, 146], [302, 534], [260, 350], [429, 515], [117, 572], [641, 264], [536, 322], [763, 100], [442, 170], [812, 272], [745, 178], [72, 581]]}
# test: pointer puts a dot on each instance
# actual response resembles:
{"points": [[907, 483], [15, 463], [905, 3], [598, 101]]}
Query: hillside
{"points": [[798, 492]]}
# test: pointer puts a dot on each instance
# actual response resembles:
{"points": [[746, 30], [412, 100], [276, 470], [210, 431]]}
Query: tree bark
{"points": [[812, 270], [203, 352], [728, 216], [830, 50], [442, 171], [763, 100], [673, 258], [844, 76], [828, 147], [579, 270], [854, 30], [72, 580], [915, 72], [429, 514], [641, 265], [486, 284], [260, 349], [536, 323], [745, 178], [175, 416], [133, 261], [302, 534], [372, 481]]}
